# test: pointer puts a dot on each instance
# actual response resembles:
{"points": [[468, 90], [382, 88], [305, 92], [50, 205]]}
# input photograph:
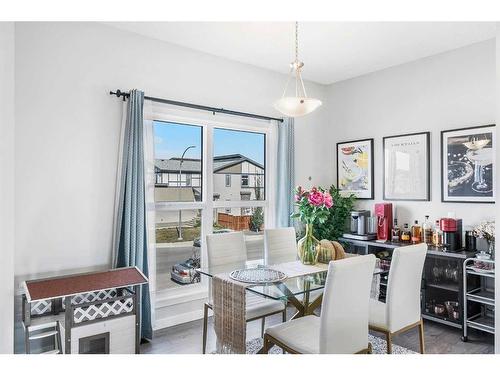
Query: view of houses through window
{"points": [[238, 174]]}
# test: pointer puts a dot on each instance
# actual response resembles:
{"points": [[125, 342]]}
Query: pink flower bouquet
{"points": [[313, 205]]}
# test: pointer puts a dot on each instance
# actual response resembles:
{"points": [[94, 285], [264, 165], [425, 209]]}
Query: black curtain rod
{"points": [[214, 110]]}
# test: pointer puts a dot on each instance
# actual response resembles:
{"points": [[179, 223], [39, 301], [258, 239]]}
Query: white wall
{"points": [[67, 128], [450, 90], [6, 185]]}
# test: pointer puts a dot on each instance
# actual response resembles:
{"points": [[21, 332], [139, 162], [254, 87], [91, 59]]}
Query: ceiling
{"points": [[331, 51]]}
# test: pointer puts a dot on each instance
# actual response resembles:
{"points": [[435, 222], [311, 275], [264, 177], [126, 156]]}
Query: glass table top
{"points": [[290, 287]]}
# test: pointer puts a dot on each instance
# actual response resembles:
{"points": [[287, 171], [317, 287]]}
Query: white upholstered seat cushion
{"points": [[301, 335], [378, 314]]}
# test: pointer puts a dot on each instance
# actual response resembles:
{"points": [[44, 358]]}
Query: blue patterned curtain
{"points": [[286, 173], [131, 240]]}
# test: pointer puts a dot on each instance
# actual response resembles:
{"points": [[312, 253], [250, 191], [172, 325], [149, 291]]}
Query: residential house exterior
{"points": [[236, 177]]}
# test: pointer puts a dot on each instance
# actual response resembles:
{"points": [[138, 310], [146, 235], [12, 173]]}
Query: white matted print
{"points": [[407, 167], [355, 168], [468, 164]]}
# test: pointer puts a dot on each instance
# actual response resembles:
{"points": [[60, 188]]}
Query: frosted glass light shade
{"points": [[292, 106]]}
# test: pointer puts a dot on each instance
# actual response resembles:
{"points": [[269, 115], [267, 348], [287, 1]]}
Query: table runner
{"points": [[229, 305]]}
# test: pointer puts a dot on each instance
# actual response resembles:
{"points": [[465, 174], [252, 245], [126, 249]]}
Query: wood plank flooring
{"points": [[439, 339]]}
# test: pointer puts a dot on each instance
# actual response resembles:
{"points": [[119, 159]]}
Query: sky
{"points": [[172, 139]]}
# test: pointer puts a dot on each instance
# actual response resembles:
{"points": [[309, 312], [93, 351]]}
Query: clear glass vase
{"points": [[491, 249], [308, 247]]}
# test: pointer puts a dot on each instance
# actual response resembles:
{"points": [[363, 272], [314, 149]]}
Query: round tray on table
{"points": [[257, 275]]}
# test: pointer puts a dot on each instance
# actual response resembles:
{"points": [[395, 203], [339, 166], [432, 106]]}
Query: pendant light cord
{"points": [[296, 41]]}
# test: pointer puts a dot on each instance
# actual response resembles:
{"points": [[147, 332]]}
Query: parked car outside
{"points": [[185, 272]]}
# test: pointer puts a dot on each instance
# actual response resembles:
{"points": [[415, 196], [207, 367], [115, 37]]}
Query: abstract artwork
{"points": [[355, 168], [468, 164]]}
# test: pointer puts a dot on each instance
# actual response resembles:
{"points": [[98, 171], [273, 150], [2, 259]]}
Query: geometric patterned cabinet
{"points": [[94, 312]]}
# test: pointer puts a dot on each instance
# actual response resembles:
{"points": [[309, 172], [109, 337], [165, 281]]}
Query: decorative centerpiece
{"points": [[313, 209], [486, 230]]}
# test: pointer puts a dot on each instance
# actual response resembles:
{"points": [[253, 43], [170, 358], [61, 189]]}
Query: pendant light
{"points": [[300, 104]]}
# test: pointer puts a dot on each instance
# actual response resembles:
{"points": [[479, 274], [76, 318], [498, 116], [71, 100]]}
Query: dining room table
{"points": [[302, 285]]}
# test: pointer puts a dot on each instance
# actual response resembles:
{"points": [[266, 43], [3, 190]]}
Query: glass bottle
{"points": [[427, 230], [437, 235], [416, 233], [406, 234], [395, 232]]}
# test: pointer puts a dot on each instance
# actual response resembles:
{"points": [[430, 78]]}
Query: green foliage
{"points": [[335, 222], [257, 219]]}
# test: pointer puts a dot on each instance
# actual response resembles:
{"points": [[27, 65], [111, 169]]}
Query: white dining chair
{"points": [[280, 245], [228, 249], [343, 325], [401, 311]]}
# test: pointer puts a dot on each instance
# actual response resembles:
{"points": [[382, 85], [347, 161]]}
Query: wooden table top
{"points": [[69, 285]]}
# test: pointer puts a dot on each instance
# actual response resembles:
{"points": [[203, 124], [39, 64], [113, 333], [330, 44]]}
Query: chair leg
{"points": [[265, 348], [421, 336], [205, 323], [388, 337], [370, 348], [262, 327], [284, 315]]}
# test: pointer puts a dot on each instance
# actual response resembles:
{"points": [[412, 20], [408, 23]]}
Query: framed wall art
{"points": [[407, 167], [355, 168], [468, 164]]}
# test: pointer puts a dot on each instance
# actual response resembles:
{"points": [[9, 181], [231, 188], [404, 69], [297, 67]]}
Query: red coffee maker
{"points": [[383, 213]]}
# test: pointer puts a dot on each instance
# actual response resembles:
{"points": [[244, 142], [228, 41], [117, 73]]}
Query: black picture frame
{"points": [[427, 164], [371, 166], [442, 151]]}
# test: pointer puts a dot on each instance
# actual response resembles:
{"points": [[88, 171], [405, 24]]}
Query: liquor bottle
{"points": [[437, 235], [416, 233], [406, 234], [427, 230], [395, 232]]}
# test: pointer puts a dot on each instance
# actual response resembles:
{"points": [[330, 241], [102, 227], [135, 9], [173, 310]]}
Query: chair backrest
{"points": [[403, 286], [345, 307], [280, 245], [226, 248]]}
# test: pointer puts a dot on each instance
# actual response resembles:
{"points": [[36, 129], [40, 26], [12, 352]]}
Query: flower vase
{"points": [[491, 249], [308, 247]]}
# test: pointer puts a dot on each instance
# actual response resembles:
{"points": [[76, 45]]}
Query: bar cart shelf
{"points": [[479, 300]]}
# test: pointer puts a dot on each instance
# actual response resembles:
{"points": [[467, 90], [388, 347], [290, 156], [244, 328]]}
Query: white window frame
{"points": [[208, 123]]}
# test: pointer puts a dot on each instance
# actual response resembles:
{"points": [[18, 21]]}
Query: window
{"points": [[240, 154], [244, 180], [178, 162], [193, 158], [178, 245]]}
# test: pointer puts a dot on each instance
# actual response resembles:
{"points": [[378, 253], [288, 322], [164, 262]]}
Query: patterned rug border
{"points": [[379, 346]]}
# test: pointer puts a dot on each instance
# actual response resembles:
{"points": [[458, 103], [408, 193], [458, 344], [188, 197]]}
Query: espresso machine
{"points": [[360, 227], [452, 233], [383, 213]]}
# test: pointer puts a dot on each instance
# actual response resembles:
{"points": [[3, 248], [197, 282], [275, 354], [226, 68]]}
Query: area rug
{"points": [[379, 346]]}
